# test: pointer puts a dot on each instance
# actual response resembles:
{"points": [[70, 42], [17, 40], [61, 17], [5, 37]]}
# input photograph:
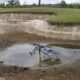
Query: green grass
{"points": [[63, 16]]}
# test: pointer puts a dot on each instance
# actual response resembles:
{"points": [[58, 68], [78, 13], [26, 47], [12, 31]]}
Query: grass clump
{"points": [[63, 16]]}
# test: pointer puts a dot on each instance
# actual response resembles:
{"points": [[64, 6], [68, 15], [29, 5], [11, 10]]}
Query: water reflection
{"points": [[29, 55]]}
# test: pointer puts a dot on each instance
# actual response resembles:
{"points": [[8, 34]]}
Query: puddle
{"points": [[27, 55]]}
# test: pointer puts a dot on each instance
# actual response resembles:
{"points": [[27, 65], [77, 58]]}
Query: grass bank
{"points": [[63, 16]]}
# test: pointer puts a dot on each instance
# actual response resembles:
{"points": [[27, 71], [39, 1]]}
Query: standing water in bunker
{"points": [[29, 55]]}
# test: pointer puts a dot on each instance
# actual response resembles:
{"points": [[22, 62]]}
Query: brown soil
{"points": [[23, 37], [15, 73]]}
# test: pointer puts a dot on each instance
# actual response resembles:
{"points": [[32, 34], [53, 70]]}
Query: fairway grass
{"points": [[63, 16]]}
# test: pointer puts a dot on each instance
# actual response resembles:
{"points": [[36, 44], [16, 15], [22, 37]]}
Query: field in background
{"points": [[63, 16]]}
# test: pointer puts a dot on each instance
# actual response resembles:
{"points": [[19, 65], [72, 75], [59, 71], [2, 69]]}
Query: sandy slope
{"points": [[41, 27]]}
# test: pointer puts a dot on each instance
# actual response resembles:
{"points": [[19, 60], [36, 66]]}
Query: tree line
{"points": [[16, 3]]}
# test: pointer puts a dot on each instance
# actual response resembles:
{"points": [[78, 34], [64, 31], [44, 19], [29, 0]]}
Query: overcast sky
{"points": [[45, 1], [48, 1]]}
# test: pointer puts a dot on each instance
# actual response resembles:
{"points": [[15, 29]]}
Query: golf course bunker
{"points": [[27, 55], [36, 24]]}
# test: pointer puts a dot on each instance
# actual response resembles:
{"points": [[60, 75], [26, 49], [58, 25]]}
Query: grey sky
{"points": [[45, 1], [48, 1]]}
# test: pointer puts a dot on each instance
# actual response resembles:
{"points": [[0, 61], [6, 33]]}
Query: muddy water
{"points": [[19, 55]]}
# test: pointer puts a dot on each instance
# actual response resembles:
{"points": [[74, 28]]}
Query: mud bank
{"points": [[9, 39]]}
